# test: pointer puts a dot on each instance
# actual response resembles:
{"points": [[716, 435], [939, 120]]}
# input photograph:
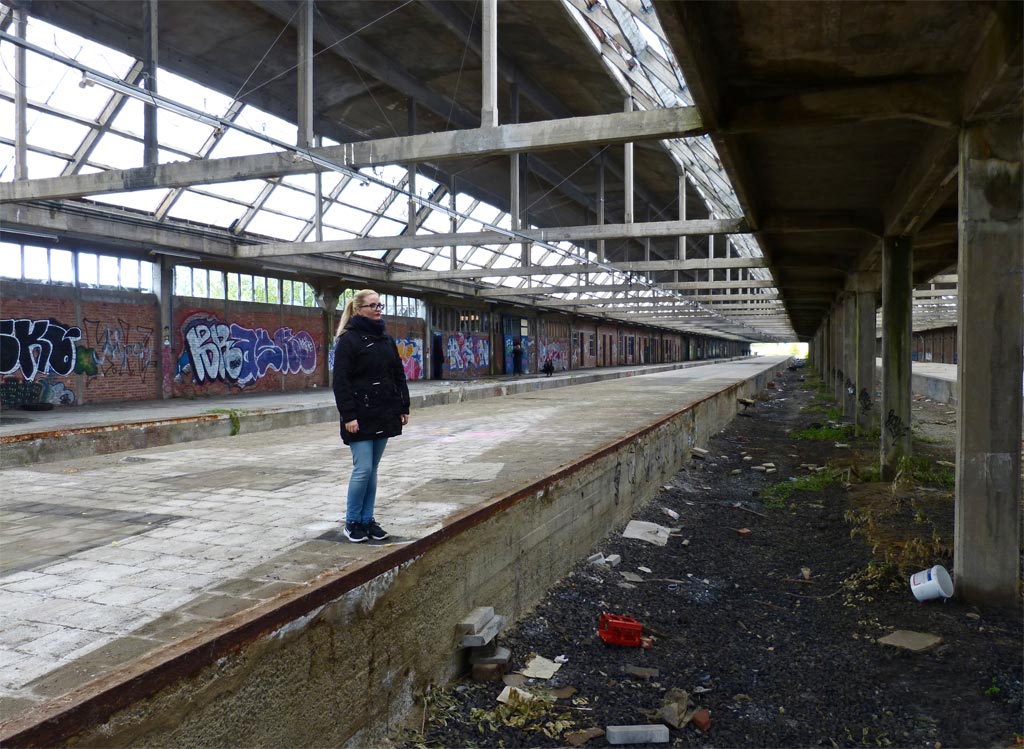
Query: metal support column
{"points": [[489, 55], [628, 172], [304, 64]]}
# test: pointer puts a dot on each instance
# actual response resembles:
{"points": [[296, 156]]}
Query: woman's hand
{"points": [[352, 426], [405, 419]]}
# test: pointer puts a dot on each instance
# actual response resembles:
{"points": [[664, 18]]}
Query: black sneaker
{"points": [[355, 532], [375, 531]]}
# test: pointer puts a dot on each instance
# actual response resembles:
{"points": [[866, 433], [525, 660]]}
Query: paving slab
{"points": [[193, 533]]}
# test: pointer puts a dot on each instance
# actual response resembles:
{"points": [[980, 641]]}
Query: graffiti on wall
{"points": [[411, 351], [509, 362], [37, 347], [555, 350], [468, 353], [117, 349], [216, 351]]}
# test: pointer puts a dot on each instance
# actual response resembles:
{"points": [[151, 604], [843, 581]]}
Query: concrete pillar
{"points": [[411, 208], [20, 96], [989, 369], [628, 171], [150, 44], [489, 55], [163, 284], [839, 361], [600, 205], [453, 222], [865, 366], [897, 297], [850, 357], [304, 53], [327, 300]]}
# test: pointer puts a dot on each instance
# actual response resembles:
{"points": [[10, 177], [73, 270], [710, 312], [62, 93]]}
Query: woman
{"points": [[373, 400]]}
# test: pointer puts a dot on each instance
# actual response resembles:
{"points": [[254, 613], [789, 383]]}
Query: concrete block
{"points": [[699, 452], [486, 633], [613, 560], [648, 734], [476, 620], [483, 672], [497, 655]]}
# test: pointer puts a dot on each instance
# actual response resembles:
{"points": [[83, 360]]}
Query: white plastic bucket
{"points": [[931, 583]]}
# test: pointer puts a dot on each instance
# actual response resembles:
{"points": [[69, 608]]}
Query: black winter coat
{"points": [[369, 382]]}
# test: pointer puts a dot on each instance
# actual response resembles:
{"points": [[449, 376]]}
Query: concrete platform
{"points": [[41, 436], [933, 380], [126, 573]]}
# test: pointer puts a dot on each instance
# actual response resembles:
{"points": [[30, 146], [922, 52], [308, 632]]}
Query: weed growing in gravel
{"points": [[526, 715], [778, 495], [836, 433], [918, 469]]}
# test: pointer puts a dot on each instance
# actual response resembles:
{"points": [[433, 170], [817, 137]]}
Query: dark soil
{"points": [[775, 632]]}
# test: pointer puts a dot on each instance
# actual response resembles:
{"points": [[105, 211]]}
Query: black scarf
{"points": [[365, 325]]}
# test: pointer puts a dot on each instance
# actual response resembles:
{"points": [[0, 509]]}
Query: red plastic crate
{"points": [[620, 630]]}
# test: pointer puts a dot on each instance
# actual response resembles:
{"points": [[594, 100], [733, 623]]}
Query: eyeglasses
{"points": [[377, 307]]}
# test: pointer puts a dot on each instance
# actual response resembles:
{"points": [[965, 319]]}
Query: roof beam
{"points": [[453, 144], [925, 100], [558, 234], [547, 270]]}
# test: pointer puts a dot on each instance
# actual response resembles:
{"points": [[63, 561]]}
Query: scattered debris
{"points": [[578, 738], [739, 506], [563, 693], [631, 576], [675, 710], [806, 572], [597, 559], [841, 444], [909, 640], [540, 667], [510, 695], [670, 512], [648, 570], [649, 734], [620, 630], [699, 453], [759, 469], [649, 532], [702, 719], [613, 560], [514, 680], [743, 531], [640, 671]]}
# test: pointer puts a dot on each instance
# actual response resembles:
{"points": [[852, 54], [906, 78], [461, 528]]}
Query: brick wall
{"points": [[224, 347], [76, 346]]}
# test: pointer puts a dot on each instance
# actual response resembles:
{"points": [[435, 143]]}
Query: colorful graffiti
{"points": [[411, 351], [556, 351], [116, 349], [509, 343], [214, 350], [468, 354], [37, 347]]}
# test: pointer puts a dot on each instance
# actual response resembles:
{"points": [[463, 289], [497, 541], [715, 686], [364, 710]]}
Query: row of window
{"points": [[241, 287], [66, 267]]}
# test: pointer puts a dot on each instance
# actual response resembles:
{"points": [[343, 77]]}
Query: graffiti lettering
{"points": [[555, 352], [116, 350], [865, 401], [411, 351], [241, 356], [37, 347], [894, 425], [468, 354]]}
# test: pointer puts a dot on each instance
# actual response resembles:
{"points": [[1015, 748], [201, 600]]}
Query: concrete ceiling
{"points": [[837, 122], [845, 115]]}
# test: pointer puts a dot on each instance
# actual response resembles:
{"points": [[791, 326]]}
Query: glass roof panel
{"points": [[130, 118], [365, 195], [291, 202], [436, 221], [331, 233], [56, 133], [346, 217], [245, 191], [274, 225], [414, 257], [115, 152], [385, 227], [195, 207], [180, 132], [143, 200], [235, 143]]}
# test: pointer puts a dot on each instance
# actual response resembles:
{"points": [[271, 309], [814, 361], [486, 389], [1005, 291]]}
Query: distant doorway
{"points": [[437, 356]]}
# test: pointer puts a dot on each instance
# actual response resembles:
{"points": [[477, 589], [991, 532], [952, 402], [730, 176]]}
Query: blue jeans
{"points": [[362, 485]]}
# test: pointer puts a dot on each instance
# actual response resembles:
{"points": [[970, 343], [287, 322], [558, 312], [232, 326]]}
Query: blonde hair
{"points": [[354, 303]]}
